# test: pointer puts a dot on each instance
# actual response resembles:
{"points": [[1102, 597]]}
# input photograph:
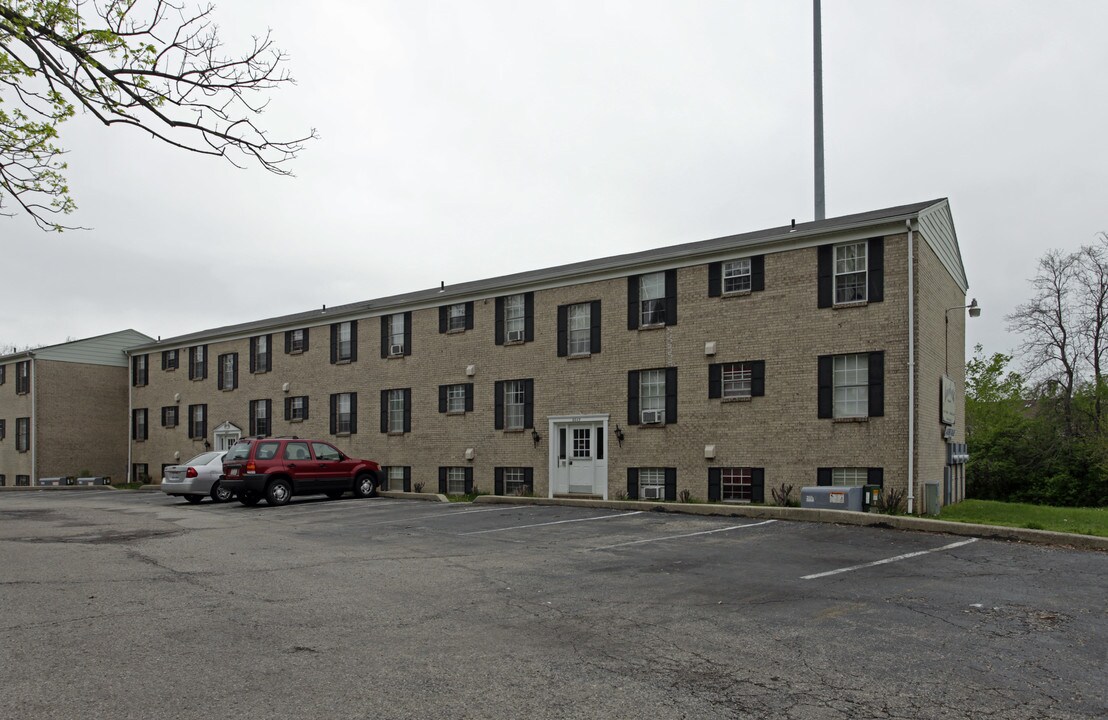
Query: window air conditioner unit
{"points": [[651, 417], [652, 492], [515, 336], [396, 350]]}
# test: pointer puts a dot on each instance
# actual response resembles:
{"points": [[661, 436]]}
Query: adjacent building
{"points": [[63, 409], [829, 353]]}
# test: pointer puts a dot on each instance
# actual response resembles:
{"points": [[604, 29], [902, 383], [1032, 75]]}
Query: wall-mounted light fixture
{"points": [[535, 437], [974, 311], [619, 435], [207, 445]]}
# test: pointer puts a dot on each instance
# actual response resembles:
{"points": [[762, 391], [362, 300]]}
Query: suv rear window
{"points": [[266, 450], [238, 451]]}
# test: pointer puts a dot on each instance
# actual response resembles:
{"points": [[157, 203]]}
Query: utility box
{"points": [[871, 494], [52, 481], [99, 480], [826, 497], [931, 504]]}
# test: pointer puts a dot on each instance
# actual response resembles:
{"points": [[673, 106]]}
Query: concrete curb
{"points": [[400, 495], [841, 517], [55, 488]]}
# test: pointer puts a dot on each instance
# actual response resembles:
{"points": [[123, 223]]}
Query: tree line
{"points": [[1035, 421]]}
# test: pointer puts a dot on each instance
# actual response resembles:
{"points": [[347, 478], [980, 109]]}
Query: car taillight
{"points": [[250, 467], [191, 472]]}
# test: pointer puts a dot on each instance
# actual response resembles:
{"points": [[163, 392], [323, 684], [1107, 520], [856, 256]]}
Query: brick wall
{"points": [[13, 406]]}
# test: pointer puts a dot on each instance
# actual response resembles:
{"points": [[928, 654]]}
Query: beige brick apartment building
{"points": [[804, 355], [63, 409]]}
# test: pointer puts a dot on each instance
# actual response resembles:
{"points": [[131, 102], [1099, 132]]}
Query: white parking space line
{"points": [[674, 537], [951, 546], [555, 522], [445, 513]]}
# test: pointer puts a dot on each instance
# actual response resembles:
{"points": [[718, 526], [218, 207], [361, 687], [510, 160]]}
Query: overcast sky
{"points": [[461, 141]]}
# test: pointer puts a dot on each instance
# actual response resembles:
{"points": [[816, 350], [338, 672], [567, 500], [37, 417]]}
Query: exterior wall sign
{"points": [[949, 398]]}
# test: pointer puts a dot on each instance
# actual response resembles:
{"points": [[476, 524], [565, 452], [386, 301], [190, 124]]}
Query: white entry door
{"points": [[578, 464], [581, 458], [226, 435]]}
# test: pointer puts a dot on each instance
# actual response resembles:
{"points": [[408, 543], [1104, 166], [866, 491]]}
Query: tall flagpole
{"points": [[817, 52]]}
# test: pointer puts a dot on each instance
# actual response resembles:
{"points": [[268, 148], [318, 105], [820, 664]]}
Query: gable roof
{"points": [[109, 349]]}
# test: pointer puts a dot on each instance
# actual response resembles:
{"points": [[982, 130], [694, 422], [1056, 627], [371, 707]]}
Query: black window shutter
{"points": [[498, 331], [334, 344], [714, 484], [633, 302], [442, 480], [164, 362], [528, 403], [715, 380], [305, 336], [469, 480], [268, 352], [671, 484], [334, 413], [288, 341], [877, 384], [204, 419], [134, 371], [353, 340], [826, 284], [234, 370], [192, 363], [253, 355], [529, 316], [633, 397], [498, 414], [442, 318], [498, 481], [758, 485], [594, 318], [826, 386], [600, 443], [529, 479], [671, 297], [875, 256], [408, 332], [823, 476], [469, 315], [219, 373], [632, 483], [758, 378], [469, 397], [875, 476], [407, 410], [407, 478], [305, 407], [442, 398], [671, 395], [758, 273], [253, 420], [384, 411], [288, 408], [385, 339], [563, 330], [715, 279], [204, 376], [353, 413]]}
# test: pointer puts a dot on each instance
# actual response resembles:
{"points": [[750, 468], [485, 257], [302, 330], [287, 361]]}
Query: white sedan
{"points": [[196, 478]]}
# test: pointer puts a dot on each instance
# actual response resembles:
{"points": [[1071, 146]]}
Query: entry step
{"points": [[577, 496]]}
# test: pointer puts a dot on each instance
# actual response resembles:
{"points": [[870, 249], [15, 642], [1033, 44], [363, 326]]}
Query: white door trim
{"points": [[555, 470]]}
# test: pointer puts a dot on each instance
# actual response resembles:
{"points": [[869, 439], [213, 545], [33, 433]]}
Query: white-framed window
{"points": [[652, 394], [198, 424], [395, 476], [455, 398], [169, 416], [296, 408], [138, 424], [344, 345], [736, 276], [735, 484], [850, 273], [296, 341], [198, 362], [169, 359], [652, 299], [514, 398], [515, 309], [456, 317], [23, 377], [456, 481], [737, 379], [342, 413], [141, 374], [396, 334], [261, 353], [396, 411], [851, 383], [579, 327], [849, 477], [22, 434], [652, 483], [261, 417], [515, 481]]}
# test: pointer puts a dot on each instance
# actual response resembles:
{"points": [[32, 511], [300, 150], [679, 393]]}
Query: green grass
{"points": [[1083, 521]]}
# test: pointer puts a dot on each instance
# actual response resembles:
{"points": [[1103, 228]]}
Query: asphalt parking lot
{"points": [[136, 605]]}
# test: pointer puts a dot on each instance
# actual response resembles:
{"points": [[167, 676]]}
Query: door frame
{"points": [[556, 423], [226, 430]]}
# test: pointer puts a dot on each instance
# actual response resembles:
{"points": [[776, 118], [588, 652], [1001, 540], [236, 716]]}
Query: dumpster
{"points": [[98, 480], [52, 481], [826, 497]]}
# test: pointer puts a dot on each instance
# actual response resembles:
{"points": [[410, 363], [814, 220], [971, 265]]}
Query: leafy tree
{"points": [[146, 64]]}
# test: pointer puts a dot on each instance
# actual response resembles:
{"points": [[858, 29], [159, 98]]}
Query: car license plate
{"points": [[234, 472]]}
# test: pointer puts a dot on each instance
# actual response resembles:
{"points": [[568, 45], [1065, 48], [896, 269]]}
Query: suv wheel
{"points": [[364, 486], [249, 498], [220, 494], [278, 492]]}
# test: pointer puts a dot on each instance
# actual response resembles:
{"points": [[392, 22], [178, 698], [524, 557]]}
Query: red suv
{"points": [[278, 468]]}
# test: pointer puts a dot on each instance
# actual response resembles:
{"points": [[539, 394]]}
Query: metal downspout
{"points": [[911, 370], [130, 410], [34, 422]]}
